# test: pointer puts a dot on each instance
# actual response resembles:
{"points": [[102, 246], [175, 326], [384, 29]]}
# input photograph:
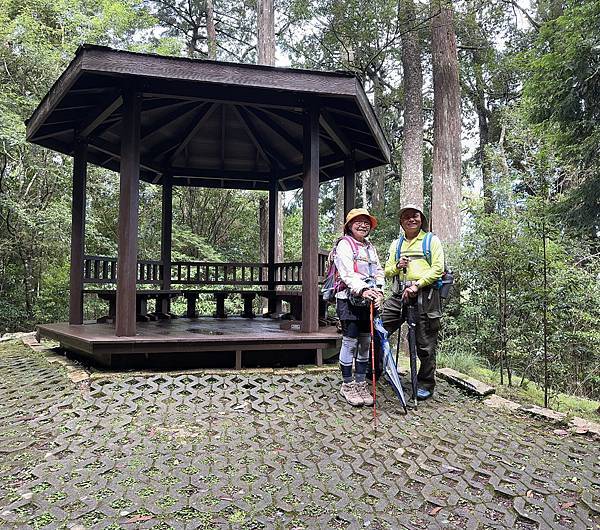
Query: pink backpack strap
{"points": [[354, 248]]}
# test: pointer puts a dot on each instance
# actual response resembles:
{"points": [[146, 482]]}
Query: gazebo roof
{"points": [[207, 123]]}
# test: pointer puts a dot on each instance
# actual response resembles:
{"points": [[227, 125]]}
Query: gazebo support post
{"points": [[349, 184], [274, 304], [310, 221], [78, 233], [128, 214], [166, 241]]}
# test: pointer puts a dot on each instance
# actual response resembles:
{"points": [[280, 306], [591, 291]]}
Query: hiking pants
{"points": [[356, 341], [427, 329]]}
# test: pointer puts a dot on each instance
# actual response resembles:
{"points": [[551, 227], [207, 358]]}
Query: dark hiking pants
{"points": [[428, 324]]}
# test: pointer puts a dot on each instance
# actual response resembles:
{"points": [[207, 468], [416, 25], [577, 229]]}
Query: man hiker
{"points": [[416, 265]]}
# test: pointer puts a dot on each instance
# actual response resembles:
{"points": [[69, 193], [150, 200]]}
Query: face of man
{"points": [[411, 220]]}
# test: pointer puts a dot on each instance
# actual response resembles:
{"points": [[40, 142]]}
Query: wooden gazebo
{"points": [[179, 122]]}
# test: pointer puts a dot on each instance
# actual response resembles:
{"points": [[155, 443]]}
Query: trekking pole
{"points": [[398, 345], [412, 347], [373, 382], [402, 286]]}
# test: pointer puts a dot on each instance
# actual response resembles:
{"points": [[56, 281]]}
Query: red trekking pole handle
{"points": [[373, 364]]}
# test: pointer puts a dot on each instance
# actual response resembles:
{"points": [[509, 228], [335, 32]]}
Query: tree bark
{"points": [[483, 117], [446, 190], [263, 224], [266, 56], [378, 173], [211, 30], [364, 183], [338, 222], [266, 32], [411, 183]]}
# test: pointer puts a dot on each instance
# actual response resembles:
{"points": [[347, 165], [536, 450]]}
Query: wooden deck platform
{"points": [[198, 342]]}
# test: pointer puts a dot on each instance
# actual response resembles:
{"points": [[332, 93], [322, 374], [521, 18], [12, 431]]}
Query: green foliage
{"points": [[499, 314], [39, 37], [562, 100]]}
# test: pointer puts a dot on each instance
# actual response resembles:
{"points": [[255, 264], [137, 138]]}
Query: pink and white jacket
{"points": [[355, 279]]}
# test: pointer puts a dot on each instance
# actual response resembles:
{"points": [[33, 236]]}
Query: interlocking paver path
{"points": [[274, 451]]}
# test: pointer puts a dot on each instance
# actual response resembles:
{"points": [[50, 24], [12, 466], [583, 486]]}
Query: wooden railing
{"points": [[103, 269], [289, 273], [211, 273]]}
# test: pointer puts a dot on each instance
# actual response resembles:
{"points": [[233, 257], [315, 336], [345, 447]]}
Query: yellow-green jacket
{"points": [[418, 268]]}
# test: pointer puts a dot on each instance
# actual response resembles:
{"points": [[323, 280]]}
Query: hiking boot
{"points": [[363, 392], [423, 394], [351, 394]]}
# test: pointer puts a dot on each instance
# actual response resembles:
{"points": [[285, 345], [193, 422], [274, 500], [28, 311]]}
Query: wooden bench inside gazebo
{"points": [[174, 121]]}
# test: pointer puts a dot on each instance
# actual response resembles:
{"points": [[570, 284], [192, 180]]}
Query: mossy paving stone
{"points": [[271, 450]]}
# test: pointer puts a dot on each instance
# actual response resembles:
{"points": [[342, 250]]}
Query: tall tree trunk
{"points": [[266, 55], [27, 281], [446, 190], [378, 173], [411, 183], [364, 184], [338, 222], [266, 32], [483, 117], [211, 31], [263, 226]]}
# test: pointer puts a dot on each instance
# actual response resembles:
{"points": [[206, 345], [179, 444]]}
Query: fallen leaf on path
{"points": [[435, 511], [139, 519], [560, 432], [566, 505]]}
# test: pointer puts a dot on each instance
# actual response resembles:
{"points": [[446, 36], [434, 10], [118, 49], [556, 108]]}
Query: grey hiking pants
{"points": [[427, 329]]}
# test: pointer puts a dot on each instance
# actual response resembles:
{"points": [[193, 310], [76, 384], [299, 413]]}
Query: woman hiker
{"points": [[359, 268]]}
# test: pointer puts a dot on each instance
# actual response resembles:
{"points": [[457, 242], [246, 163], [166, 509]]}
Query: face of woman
{"points": [[360, 227]]}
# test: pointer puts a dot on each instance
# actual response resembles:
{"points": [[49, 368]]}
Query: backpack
{"points": [[445, 282], [333, 284]]}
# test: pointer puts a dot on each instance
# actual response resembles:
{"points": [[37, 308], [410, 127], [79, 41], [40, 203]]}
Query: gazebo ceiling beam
{"points": [[373, 124], [91, 124], [326, 162], [220, 173], [66, 114], [186, 110], [106, 148], [335, 133], [87, 91], [227, 95], [221, 183], [371, 152], [203, 115], [276, 128], [258, 142], [350, 114], [286, 114], [53, 131], [116, 117], [297, 120], [353, 126]]}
